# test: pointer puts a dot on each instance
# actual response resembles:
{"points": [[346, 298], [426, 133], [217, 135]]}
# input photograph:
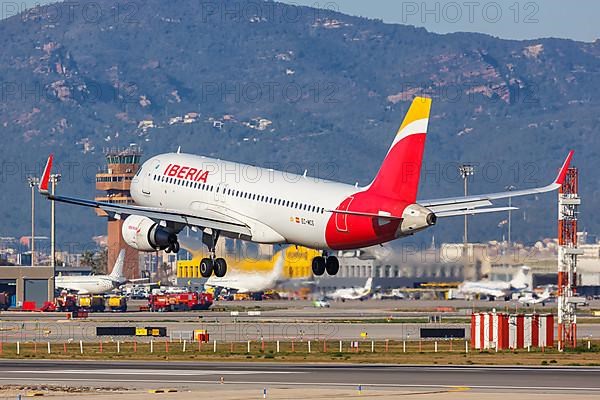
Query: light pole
{"points": [[509, 188], [33, 182], [466, 170], [54, 179]]}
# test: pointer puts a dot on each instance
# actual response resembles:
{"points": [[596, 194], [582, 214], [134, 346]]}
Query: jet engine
{"points": [[144, 234], [415, 217]]}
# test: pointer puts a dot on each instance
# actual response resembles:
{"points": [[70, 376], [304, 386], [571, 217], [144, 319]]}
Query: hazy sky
{"points": [[511, 19]]}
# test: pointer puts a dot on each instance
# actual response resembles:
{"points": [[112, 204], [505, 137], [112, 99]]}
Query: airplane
{"points": [[226, 199], [355, 293], [497, 289], [250, 282], [530, 298], [394, 294], [94, 284]]}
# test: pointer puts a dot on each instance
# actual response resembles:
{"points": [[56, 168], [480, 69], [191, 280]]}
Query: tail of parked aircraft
{"points": [[369, 284], [400, 171], [117, 271], [521, 279]]}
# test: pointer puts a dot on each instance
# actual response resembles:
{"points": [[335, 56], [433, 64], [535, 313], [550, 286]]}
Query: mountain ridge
{"points": [[332, 90]]}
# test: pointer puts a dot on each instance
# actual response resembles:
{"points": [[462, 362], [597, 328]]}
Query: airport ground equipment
{"points": [[65, 303], [91, 303], [201, 335], [491, 331], [180, 301], [4, 301], [117, 303], [567, 299]]}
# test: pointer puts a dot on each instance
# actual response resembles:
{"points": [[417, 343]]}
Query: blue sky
{"points": [[510, 19]]}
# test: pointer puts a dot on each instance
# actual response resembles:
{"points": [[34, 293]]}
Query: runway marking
{"points": [[157, 372], [331, 384], [459, 388]]}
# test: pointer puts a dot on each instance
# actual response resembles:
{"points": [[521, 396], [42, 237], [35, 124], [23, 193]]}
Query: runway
{"points": [[185, 375]]}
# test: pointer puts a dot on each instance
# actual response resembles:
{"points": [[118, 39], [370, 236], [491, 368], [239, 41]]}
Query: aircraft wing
{"points": [[202, 219], [478, 204], [137, 280]]}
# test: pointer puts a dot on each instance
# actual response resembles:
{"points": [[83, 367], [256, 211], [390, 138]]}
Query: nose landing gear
{"points": [[320, 264]]}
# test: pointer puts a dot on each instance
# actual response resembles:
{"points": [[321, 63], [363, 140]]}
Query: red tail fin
{"points": [[399, 174]]}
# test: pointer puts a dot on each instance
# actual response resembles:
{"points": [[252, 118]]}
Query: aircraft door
{"points": [[221, 192], [147, 175]]}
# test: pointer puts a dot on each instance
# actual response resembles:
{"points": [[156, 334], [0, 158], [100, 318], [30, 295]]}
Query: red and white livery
{"points": [[222, 198]]}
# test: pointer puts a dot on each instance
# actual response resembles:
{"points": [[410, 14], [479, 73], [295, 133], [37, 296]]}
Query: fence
{"points": [[519, 331]]}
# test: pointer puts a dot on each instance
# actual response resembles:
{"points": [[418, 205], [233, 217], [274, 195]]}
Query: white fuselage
{"points": [[99, 284], [279, 207], [349, 294], [243, 282]]}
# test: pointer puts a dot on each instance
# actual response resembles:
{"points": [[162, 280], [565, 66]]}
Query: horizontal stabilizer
{"points": [[473, 211], [446, 207]]}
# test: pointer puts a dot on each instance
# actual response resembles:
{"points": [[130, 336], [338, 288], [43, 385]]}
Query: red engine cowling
{"points": [[144, 234]]}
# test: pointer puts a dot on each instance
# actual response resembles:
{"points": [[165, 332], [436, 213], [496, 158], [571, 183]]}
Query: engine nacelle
{"points": [[415, 217], [143, 234]]}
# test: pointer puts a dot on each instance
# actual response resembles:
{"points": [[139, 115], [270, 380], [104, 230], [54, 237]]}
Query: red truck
{"points": [[180, 301]]}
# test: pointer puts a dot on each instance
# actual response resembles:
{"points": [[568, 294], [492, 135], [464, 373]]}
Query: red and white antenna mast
{"points": [[568, 204]]}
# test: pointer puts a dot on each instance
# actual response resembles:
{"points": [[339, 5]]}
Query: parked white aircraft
{"points": [[355, 293], [221, 198], [530, 298], [250, 282], [94, 284], [497, 289], [395, 294]]}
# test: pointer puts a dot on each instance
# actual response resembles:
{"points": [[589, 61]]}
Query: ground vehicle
{"points": [[180, 301], [117, 303], [321, 303], [140, 292], [91, 303], [66, 302], [4, 301]]}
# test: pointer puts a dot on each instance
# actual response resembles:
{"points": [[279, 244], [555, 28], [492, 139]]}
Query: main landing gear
{"points": [[212, 264], [320, 264]]}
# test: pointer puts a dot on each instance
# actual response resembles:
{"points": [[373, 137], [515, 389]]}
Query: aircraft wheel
{"points": [[206, 267], [175, 247], [220, 267], [332, 265], [318, 265]]}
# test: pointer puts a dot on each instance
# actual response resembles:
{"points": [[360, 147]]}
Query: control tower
{"points": [[114, 183]]}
